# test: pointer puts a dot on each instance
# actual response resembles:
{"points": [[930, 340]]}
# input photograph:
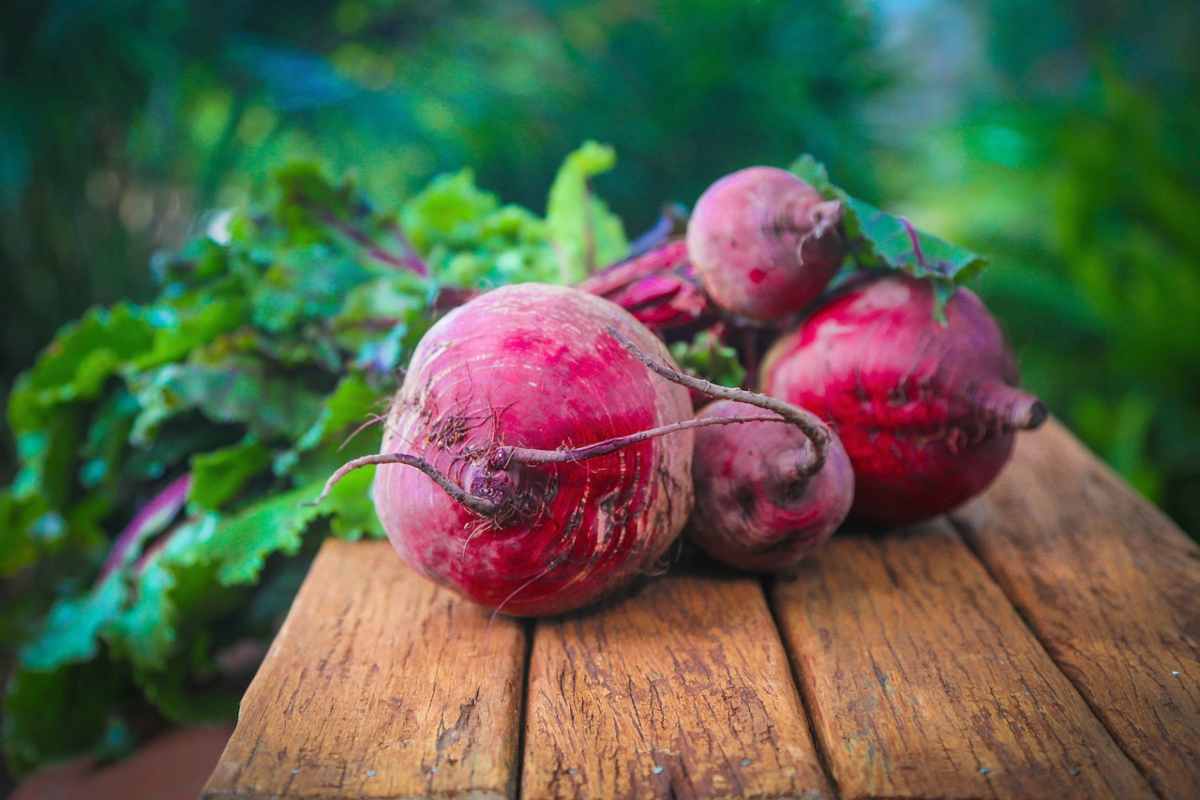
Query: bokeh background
{"points": [[1060, 138]]}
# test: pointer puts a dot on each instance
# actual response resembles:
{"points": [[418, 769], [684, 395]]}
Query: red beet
{"points": [[756, 509], [927, 412], [764, 243], [495, 391], [659, 287]]}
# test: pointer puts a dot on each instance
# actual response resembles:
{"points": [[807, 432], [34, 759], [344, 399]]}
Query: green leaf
{"points": [[879, 240], [78, 362], [47, 457], [584, 232], [236, 391], [72, 630], [351, 404], [171, 447], [198, 262], [883, 239], [178, 333], [304, 285], [18, 549], [383, 320], [218, 476], [173, 693], [52, 715], [240, 544], [305, 193], [107, 438], [813, 172], [450, 209], [353, 512], [392, 297], [145, 631], [177, 595]]}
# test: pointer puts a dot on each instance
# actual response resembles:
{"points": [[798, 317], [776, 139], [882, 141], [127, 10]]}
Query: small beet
{"points": [[756, 509], [927, 411], [764, 243]]}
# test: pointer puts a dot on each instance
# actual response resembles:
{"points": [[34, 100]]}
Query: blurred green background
{"points": [[1060, 138]]}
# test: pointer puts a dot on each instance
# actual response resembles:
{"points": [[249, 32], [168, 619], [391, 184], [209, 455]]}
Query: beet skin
{"points": [[755, 507], [764, 243], [927, 411], [533, 366]]}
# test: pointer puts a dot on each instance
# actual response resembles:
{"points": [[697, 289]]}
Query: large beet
{"points": [[518, 371], [926, 411]]}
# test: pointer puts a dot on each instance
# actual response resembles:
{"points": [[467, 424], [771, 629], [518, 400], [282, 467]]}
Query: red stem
{"points": [[816, 430], [505, 455], [166, 503], [915, 238], [408, 262], [480, 505], [527, 455]]}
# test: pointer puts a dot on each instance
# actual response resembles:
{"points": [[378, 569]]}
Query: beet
{"points": [[756, 509], [926, 411], [659, 287], [533, 367], [764, 243]]}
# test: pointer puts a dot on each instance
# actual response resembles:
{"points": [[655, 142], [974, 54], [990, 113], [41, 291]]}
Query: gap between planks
{"points": [[787, 663], [1110, 587], [963, 534], [379, 685], [682, 689], [921, 680]]}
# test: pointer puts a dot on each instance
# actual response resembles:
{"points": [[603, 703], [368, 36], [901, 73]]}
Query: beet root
{"points": [[927, 411], [764, 243], [755, 507], [533, 368]]}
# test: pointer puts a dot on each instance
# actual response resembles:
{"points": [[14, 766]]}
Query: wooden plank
{"points": [[681, 691], [1112, 589], [379, 684], [923, 682]]}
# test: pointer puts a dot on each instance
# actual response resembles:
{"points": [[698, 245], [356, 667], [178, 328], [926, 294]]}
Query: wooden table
{"points": [[1042, 642]]}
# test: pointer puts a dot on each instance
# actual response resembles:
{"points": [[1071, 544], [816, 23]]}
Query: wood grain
{"points": [[1112, 589], [923, 682], [379, 685], [681, 691]]}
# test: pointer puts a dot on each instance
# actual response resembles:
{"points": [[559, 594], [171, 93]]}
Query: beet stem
{"points": [[480, 505], [915, 238], [410, 262], [656, 236], [1015, 408], [816, 430], [528, 455]]}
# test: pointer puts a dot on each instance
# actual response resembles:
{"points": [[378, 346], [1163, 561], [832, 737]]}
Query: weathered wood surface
{"points": [[1047, 644], [379, 685], [1112, 589], [923, 682], [683, 690]]}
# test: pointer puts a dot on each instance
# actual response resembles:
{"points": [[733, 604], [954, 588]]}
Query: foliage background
{"points": [[1058, 137]]}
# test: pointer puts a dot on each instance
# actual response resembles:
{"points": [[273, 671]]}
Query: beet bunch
{"points": [[543, 450]]}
